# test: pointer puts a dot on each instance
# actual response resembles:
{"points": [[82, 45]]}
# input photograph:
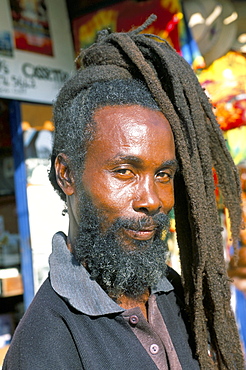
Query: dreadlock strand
{"points": [[226, 297], [215, 274], [146, 24]]}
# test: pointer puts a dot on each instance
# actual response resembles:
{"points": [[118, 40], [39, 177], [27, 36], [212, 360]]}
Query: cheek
{"points": [[167, 197], [109, 197]]}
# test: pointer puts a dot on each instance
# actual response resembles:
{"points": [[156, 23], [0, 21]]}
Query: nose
{"points": [[147, 199]]}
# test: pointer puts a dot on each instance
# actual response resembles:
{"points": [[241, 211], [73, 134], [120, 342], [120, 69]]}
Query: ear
{"points": [[64, 175]]}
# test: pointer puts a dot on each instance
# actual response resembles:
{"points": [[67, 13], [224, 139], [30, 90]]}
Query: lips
{"points": [[146, 233]]}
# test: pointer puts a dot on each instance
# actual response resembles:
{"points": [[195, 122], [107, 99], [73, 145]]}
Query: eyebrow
{"points": [[138, 161], [170, 163]]}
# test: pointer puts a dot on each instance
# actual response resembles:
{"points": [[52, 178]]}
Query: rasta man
{"points": [[135, 136]]}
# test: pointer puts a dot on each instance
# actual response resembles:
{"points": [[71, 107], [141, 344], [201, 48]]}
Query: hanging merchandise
{"points": [[236, 143], [213, 26], [225, 83]]}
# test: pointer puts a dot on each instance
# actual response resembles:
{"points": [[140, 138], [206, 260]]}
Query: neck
{"points": [[73, 221], [129, 302]]}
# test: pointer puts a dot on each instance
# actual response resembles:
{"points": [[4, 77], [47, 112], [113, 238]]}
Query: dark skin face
{"points": [[129, 169], [130, 165]]}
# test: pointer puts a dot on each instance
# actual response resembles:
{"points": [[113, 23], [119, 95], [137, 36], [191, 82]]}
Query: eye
{"points": [[164, 176], [123, 173]]}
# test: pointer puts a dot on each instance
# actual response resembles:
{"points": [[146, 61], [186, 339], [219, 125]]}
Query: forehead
{"points": [[130, 120], [132, 130]]}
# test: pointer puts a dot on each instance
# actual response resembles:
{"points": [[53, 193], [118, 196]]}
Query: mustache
{"points": [[157, 221]]}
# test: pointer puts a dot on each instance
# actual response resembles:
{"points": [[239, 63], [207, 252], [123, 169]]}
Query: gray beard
{"points": [[117, 269]]}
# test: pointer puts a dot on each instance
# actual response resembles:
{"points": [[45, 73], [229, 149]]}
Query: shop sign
{"points": [[30, 82], [36, 51]]}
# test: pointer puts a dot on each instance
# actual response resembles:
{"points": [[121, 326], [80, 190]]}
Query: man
{"points": [[135, 135]]}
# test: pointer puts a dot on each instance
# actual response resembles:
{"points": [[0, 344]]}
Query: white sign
{"points": [[36, 50]]}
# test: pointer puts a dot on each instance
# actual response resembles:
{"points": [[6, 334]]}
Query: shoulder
{"points": [[43, 313], [175, 280], [42, 334]]}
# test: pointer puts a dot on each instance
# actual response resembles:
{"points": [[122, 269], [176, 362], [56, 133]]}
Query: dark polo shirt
{"points": [[73, 324]]}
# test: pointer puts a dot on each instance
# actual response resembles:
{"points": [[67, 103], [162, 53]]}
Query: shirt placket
{"points": [[147, 337]]}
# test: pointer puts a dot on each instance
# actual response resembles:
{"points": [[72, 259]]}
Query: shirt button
{"points": [[154, 349], [134, 319]]}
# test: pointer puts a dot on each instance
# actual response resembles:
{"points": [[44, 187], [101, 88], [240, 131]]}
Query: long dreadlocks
{"points": [[199, 148]]}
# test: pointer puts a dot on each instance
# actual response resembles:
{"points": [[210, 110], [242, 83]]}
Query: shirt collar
{"points": [[72, 281]]}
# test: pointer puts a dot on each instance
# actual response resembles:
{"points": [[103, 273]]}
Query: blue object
{"points": [[21, 201], [241, 316]]}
